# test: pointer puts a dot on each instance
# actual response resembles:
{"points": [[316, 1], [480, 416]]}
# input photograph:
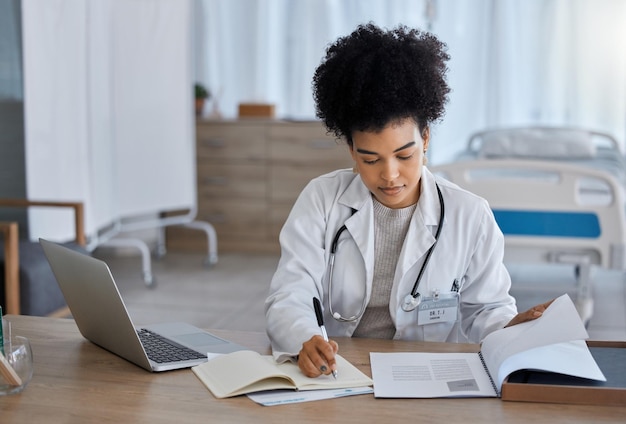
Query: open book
{"points": [[247, 371], [555, 342]]}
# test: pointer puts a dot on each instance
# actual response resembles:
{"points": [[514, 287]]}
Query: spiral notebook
{"points": [[552, 343]]}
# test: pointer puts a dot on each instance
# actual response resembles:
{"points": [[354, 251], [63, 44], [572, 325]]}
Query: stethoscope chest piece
{"points": [[411, 302]]}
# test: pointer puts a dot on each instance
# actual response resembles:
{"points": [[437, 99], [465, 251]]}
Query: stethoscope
{"points": [[411, 300]]}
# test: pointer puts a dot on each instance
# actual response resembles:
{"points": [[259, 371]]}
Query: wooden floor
{"points": [[230, 295]]}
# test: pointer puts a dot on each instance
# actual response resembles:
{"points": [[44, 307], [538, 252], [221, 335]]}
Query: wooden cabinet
{"points": [[250, 172]]}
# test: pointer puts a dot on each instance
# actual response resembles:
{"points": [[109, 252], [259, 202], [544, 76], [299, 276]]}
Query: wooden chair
{"points": [[29, 285]]}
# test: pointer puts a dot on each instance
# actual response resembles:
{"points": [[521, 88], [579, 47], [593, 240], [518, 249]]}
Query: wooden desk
{"points": [[75, 381]]}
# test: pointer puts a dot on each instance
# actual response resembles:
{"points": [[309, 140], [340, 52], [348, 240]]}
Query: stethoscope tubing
{"points": [[413, 299]]}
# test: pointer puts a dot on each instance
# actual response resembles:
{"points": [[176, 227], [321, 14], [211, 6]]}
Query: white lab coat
{"points": [[470, 249]]}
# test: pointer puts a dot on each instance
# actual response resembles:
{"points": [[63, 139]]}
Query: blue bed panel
{"points": [[548, 223]]}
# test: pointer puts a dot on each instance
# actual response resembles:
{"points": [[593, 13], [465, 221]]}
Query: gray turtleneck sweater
{"points": [[390, 228]]}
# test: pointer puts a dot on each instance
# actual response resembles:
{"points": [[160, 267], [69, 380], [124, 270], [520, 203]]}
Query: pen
{"points": [[320, 322]]}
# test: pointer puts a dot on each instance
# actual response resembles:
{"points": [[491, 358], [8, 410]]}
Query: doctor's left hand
{"points": [[317, 356], [531, 314]]}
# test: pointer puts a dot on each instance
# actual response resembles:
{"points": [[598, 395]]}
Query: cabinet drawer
{"points": [[287, 181], [304, 129], [231, 141], [308, 151], [231, 180], [305, 145], [235, 218]]}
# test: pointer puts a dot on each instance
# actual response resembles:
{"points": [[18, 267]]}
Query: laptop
{"points": [[102, 318]]}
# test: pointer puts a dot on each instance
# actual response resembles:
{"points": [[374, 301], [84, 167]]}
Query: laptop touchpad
{"points": [[199, 339]]}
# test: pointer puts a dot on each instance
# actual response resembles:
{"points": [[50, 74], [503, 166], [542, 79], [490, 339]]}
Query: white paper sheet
{"points": [[282, 397]]}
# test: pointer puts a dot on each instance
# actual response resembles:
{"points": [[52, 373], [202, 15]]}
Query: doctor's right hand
{"points": [[317, 357]]}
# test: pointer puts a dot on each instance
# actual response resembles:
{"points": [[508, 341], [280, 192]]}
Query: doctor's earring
{"points": [[425, 161]]}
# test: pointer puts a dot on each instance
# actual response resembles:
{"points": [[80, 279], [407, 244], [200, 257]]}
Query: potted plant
{"points": [[201, 94]]}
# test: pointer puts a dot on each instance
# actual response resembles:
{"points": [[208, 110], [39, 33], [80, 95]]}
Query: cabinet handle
{"points": [[217, 180], [213, 142], [322, 143]]}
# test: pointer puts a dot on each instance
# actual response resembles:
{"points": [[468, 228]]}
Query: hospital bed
{"points": [[551, 212], [593, 149]]}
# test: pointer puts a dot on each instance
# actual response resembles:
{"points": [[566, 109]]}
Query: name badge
{"points": [[439, 308]]}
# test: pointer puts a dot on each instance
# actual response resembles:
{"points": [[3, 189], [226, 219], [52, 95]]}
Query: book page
{"points": [[347, 376], [571, 358], [429, 375], [560, 323], [234, 373]]}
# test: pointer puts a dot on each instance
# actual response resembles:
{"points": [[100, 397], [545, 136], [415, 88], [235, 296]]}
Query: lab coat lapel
{"points": [[361, 224], [420, 236]]}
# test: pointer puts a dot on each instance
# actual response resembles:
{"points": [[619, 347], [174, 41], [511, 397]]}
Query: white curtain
{"points": [[108, 109], [513, 62], [55, 108], [267, 50]]}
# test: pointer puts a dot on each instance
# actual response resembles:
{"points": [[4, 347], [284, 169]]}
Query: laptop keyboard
{"points": [[159, 349]]}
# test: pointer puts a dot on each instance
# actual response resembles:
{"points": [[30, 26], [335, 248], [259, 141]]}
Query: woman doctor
{"points": [[419, 258]]}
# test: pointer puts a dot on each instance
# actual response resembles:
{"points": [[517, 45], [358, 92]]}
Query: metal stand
{"points": [[119, 227]]}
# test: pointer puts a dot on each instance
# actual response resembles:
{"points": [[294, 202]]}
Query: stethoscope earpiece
{"points": [[411, 302]]}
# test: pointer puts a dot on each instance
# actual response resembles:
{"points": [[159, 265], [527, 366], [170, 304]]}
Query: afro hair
{"points": [[374, 77]]}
